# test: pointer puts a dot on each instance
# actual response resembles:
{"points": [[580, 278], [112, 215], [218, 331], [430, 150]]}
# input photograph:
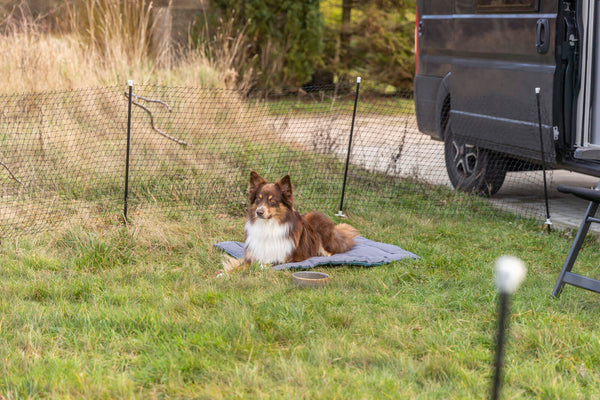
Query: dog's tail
{"points": [[343, 238]]}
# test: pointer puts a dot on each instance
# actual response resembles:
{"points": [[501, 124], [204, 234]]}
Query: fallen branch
{"points": [[152, 101], [178, 141], [11, 174]]}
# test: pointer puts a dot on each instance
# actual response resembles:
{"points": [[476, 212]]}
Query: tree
{"points": [[345, 27]]}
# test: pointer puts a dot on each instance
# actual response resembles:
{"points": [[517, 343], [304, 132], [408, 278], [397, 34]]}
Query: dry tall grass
{"points": [[64, 114], [97, 43]]}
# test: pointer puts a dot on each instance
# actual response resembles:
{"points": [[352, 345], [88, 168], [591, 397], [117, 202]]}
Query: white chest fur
{"points": [[268, 241]]}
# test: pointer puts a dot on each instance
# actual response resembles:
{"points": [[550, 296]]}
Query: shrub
{"points": [[377, 43], [282, 38]]}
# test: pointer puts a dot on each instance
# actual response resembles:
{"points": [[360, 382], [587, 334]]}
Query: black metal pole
{"points": [[548, 221], [340, 212], [500, 344], [130, 84]]}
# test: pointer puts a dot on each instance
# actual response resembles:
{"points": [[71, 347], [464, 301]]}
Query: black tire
{"points": [[471, 168]]}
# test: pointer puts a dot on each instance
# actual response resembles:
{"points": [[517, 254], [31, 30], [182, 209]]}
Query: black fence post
{"points": [[548, 222], [340, 212], [130, 84]]}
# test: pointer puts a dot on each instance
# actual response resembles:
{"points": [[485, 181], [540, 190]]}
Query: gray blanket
{"points": [[365, 253]]}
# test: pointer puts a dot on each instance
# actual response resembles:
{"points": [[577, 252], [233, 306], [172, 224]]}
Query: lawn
{"points": [[310, 103], [106, 311]]}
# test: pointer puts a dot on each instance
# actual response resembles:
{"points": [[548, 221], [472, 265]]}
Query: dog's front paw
{"points": [[221, 273], [230, 264]]}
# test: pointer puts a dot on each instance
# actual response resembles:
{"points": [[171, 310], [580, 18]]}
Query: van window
{"points": [[485, 6]]}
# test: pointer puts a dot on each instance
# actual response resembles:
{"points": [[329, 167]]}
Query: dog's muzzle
{"points": [[261, 212]]}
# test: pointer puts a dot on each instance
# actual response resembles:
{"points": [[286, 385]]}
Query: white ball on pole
{"points": [[510, 273]]}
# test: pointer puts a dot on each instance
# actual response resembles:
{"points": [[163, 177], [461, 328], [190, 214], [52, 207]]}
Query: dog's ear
{"points": [[256, 181], [285, 184]]}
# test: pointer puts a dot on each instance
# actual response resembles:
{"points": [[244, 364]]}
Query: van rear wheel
{"points": [[471, 168]]}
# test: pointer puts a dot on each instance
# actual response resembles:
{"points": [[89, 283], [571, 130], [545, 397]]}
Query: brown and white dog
{"points": [[276, 233]]}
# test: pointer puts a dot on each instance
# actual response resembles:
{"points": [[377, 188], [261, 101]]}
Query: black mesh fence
{"points": [[63, 155]]}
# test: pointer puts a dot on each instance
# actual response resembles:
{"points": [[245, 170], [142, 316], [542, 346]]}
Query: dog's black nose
{"points": [[260, 212]]}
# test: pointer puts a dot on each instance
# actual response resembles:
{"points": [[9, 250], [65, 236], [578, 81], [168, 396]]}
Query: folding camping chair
{"points": [[566, 276]]}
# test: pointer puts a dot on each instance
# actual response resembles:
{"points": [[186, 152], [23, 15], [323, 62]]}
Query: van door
{"points": [[503, 51], [587, 137]]}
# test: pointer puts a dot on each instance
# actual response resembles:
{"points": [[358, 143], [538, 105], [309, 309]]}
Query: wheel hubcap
{"points": [[465, 158]]}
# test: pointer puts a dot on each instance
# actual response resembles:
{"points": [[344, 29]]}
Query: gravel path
{"points": [[395, 146]]}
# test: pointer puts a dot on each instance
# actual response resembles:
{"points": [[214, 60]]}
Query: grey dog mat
{"points": [[365, 253]]}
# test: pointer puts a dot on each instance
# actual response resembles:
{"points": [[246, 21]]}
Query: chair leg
{"points": [[575, 248]]}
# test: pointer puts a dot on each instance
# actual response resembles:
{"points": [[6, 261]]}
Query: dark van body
{"points": [[479, 64]]}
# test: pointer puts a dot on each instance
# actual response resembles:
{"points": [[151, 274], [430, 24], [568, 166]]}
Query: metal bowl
{"points": [[306, 279]]}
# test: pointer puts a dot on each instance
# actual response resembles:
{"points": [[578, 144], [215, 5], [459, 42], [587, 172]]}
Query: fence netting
{"points": [[63, 155]]}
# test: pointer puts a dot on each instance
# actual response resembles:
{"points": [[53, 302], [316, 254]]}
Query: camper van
{"points": [[509, 85]]}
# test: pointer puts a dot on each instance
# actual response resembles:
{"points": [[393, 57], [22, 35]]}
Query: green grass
{"points": [[369, 105], [137, 312]]}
